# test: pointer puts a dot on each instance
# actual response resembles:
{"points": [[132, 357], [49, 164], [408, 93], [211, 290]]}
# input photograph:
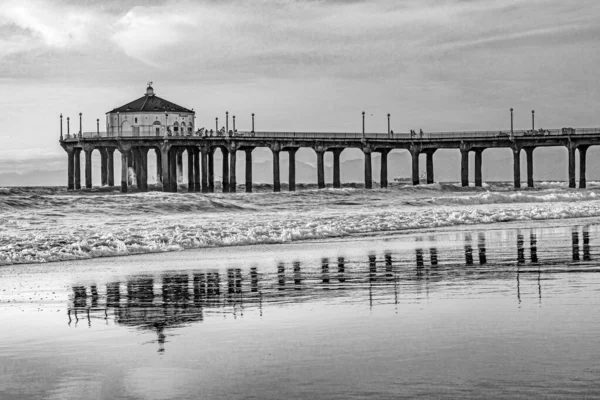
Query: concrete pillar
{"points": [[415, 166], [320, 168], [292, 169], [130, 167], [196, 153], [276, 179], [164, 169], [138, 168], [248, 170], [336, 168], [464, 167], [124, 171], [429, 166], [529, 154], [383, 177], [232, 171], [368, 169], [103, 166], [173, 156], [478, 165], [77, 160], [582, 162], [143, 168], [225, 174], [517, 167], [159, 176], [180, 166], [572, 183], [204, 152], [88, 169], [211, 170], [190, 164], [110, 165], [70, 169]]}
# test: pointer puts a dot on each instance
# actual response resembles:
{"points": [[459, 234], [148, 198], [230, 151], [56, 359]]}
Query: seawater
{"points": [[51, 224], [484, 311]]}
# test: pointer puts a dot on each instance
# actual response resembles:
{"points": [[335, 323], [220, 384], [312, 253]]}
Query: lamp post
{"points": [[61, 127], [217, 125], [79, 124], [363, 124], [226, 122], [511, 122], [234, 124], [388, 124], [533, 120], [252, 122], [98, 126]]}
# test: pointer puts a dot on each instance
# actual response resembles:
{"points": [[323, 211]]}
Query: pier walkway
{"points": [[201, 147]]}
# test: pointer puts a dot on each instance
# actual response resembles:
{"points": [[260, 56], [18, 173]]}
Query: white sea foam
{"points": [[48, 225]]}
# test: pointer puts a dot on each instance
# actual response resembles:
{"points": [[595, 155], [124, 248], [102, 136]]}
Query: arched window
{"points": [[156, 127], [176, 127]]}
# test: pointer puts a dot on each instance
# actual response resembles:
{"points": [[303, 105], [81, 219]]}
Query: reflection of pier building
{"points": [[152, 123], [173, 300]]}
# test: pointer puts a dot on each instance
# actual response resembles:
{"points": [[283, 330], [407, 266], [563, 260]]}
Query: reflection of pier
{"points": [[172, 300]]}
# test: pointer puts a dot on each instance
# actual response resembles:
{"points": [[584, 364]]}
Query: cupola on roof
{"points": [[151, 103]]}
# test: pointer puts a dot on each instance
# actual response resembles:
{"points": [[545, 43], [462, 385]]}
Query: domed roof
{"points": [[151, 103]]}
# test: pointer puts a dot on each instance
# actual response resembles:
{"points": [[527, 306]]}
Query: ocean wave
{"points": [[72, 241]]}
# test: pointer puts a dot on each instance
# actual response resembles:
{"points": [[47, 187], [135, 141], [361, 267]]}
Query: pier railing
{"points": [[426, 136]]}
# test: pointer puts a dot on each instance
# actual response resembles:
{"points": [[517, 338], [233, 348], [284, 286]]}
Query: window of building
{"points": [[136, 120]]}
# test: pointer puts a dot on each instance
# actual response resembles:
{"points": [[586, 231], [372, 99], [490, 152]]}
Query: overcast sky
{"points": [[299, 65]]}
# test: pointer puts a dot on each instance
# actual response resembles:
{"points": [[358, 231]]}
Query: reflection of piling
{"points": [[575, 239], [586, 244], [79, 296], [533, 247], [433, 256], [113, 295], [520, 249], [253, 280], [199, 286], [468, 250], [281, 275], [388, 267], [94, 296], [419, 258], [481, 248], [297, 276], [372, 267], [341, 269], [325, 270]]}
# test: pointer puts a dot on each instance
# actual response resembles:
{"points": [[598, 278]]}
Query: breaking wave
{"points": [[49, 224]]}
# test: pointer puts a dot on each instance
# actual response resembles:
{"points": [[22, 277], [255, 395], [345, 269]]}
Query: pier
{"points": [[151, 123], [201, 150]]}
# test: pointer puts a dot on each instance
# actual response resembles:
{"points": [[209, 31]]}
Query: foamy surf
{"points": [[42, 225]]}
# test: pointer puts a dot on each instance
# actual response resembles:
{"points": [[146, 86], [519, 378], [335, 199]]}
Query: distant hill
{"points": [[549, 164]]}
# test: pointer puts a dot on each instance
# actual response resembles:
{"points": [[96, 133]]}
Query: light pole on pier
{"points": [[511, 122], [217, 125], [363, 124], [533, 120], [98, 126], [226, 123], [68, 127], [252, 122], [79, 124], [61, 127], [234, 124], [388, 124]]}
